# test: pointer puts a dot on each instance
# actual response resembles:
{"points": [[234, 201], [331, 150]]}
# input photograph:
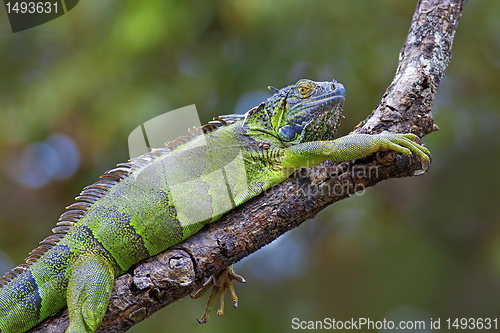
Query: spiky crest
{"points": [[92, 193]]}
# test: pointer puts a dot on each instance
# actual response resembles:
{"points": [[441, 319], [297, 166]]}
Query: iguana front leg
{"points": [[220, 281], [352, 147]]}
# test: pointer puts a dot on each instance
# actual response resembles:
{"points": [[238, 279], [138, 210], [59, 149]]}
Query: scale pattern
{"points": [[144, 206]]}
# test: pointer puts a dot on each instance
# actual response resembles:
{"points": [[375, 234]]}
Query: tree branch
{"points": [[405, 107]]}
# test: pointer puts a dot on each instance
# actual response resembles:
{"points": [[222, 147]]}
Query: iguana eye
{"points": [[305, 88]]}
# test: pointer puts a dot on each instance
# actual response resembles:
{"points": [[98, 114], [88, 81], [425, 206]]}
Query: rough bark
{"points": [[405, 107]]}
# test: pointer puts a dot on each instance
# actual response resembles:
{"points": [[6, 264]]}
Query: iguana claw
{"points": [[428, 163], [426, 168], [220, 281]]}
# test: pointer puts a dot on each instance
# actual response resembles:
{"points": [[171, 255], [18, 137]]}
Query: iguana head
{"points": [[306, 111]]}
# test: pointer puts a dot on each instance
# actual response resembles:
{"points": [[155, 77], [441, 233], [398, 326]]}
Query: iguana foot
{"points": [[406, 144], [220, 281]]}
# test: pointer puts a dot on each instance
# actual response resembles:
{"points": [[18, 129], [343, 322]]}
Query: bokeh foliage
{"points": [[411, 248]]}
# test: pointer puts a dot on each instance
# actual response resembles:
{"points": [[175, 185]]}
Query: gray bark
{"points": [[405, 107]]}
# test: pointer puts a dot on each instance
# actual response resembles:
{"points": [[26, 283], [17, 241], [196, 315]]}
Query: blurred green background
{"points": [[427, 247]]}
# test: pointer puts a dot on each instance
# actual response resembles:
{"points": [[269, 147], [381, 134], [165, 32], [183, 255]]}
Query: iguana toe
{"points": [[424, 168], [220, 281]]}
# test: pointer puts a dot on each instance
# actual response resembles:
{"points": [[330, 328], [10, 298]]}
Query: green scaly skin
{"points": [[134, 216]]}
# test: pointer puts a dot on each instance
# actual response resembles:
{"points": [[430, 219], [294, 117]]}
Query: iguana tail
{"points": [[37, 289]]}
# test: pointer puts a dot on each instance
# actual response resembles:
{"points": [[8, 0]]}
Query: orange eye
{"points": [[303, 90]]}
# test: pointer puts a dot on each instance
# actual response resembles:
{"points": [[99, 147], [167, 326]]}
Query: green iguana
{"points": [[155, 201]]}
